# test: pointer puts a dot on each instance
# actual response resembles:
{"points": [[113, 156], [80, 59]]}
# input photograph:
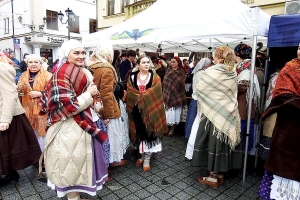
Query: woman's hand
{"points": [[92, 89], [106, 121], [3, 126], [34, 94]]}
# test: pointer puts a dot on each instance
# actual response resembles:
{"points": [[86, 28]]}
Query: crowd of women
{"points": [[78, 122]]}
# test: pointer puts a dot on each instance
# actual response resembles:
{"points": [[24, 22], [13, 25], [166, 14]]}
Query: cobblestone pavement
{"points": [[170, 177]]}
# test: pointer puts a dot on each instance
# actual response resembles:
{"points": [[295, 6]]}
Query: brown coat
{"points": [[105, 78], [242, 102]]}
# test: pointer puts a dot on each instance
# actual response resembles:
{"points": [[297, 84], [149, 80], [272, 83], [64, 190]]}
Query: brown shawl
{"points": [[283, 159], [31, 106], [150, 104], [174, 88]]}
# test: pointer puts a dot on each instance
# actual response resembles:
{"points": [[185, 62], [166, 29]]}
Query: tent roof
{"points": [[193, 25], [284, 31]]}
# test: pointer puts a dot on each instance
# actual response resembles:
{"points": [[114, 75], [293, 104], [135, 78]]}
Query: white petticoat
{"points": [[118, 135], [144, 149], [284, 189], [173, 115]]}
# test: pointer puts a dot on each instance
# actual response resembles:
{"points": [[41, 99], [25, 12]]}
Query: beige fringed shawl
{"points": [[217, 95]]}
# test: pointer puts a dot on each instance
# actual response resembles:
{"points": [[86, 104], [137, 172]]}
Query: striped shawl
{"points": [[150, 104], [217, 95]]}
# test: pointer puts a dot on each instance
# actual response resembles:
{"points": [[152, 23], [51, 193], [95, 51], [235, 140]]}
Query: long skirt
{"points": [[99, 174], [118, 137], [276, 187], [19, 147], [173, 115], [190, 118], [264, 147], [106, 146], [251, 134], [212, 153]]}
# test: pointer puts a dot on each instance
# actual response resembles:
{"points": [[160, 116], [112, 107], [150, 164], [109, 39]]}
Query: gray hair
{"points": [[34, 56]]}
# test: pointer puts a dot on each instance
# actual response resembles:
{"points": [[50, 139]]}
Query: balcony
{"points": [[137, 7], [247, 1]]}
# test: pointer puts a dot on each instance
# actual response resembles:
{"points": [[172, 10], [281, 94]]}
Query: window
{"points": [[110, 7], [74, 27], [123, 4], [93, 25], [52, 21], [183, 54]]}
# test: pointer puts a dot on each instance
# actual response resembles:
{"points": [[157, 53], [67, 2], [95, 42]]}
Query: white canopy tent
{"points": [[192, 25]]}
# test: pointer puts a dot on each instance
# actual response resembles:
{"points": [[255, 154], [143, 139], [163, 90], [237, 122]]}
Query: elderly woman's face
{"points": [[34, 65], [77, 56]]}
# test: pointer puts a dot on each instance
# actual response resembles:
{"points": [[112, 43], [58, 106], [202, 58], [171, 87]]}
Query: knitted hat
{"points": [[243, 51]]}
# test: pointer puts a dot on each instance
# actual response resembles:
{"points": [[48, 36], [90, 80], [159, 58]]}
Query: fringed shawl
{"points": [[217, 95], [150, 105], [174, 88], [31, 105]]}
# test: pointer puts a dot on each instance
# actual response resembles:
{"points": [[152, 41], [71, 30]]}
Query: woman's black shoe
{"points": [[12, 176], [2, 182]]}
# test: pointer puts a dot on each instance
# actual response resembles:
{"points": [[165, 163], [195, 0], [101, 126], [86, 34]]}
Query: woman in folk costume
{"points": [[243, 60], [202, 65], [282, 178], [194, 114], [74, 157], [174, 93], [19, 147], [147, 120], [31, 85], [217, 145], [106, 80]]}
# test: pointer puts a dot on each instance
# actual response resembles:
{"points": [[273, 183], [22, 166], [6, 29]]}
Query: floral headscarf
{"points": [[102, 54], [226, 55], [5, 59], [243, 51]]}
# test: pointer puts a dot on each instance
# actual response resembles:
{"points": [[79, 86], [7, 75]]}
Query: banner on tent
{"points": [[135, 34]]}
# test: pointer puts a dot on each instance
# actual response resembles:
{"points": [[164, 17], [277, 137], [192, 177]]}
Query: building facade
{"points": [[36, 27], [271, 7]]}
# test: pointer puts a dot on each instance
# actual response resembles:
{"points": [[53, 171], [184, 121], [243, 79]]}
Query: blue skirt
{"points": [[190, 118]]}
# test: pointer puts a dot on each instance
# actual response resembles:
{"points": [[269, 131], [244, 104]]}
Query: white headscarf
{"points": [[202, 63], [34, 56], [65, 49]]}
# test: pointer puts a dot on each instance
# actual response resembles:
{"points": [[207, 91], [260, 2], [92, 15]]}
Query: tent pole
{"points": [[262, 105], [253, 56]]}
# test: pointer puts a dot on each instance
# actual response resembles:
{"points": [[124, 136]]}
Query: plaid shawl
{"points": [[150, 104], [174, 88], [60, 101], [217, 95]]}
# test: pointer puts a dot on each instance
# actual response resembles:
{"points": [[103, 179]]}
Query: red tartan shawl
{"points": [[60, 101], [150, 104]]}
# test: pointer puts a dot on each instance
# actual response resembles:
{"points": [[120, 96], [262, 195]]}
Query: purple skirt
{"points": [[265, 186]]}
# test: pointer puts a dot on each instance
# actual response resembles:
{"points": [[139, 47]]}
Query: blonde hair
{"points": [[226, 56]]}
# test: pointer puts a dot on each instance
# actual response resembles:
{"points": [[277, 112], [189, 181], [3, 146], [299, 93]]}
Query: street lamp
{"points": [[32, 26], [70, 19]]}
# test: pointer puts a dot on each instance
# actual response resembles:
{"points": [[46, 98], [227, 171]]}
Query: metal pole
{"points": [[13, 25], [68, 26]]}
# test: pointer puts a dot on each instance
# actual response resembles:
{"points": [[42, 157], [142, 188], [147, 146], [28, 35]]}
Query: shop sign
{"points": [[54, 40]]}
